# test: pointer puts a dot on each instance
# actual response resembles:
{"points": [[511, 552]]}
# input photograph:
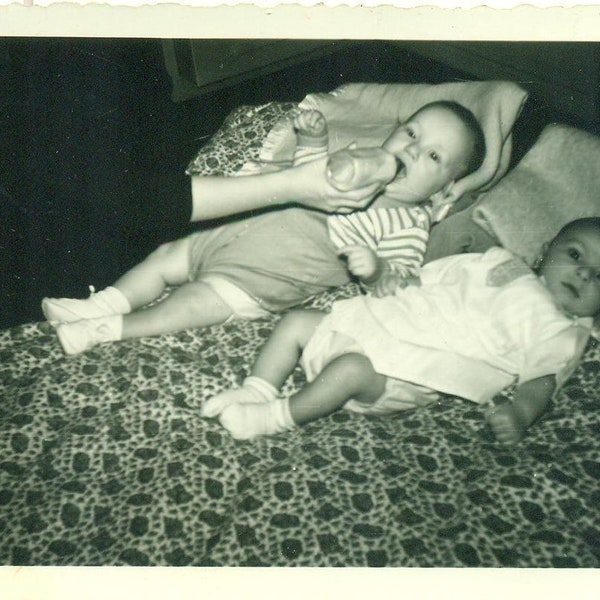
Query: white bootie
{"points": [[109, 301], [247, 421], [85, 334], [254, 390]]}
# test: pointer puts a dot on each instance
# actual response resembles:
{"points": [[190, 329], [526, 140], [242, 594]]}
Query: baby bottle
{"points": [[354, 168]]}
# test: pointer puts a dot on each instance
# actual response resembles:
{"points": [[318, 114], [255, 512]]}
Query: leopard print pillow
{"points": [[239, 139]]}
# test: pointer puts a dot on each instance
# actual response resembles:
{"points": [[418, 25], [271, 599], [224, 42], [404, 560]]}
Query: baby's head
{"points": [[570, 266], [439, 144]]}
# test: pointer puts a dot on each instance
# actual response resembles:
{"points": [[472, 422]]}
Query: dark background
{"points": [[93, 149]]}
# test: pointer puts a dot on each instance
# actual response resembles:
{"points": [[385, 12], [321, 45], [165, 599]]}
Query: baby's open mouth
{"points": [[400, 169], [572, 289]]}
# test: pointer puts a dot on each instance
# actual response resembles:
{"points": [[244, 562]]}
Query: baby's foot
{"points": [[506, 424], [217, 404], [247, 421], [310, 123], [109, 301], [82, 335], [254, 390]]}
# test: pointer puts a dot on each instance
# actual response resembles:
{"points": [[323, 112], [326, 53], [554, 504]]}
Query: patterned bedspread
{"points": [[105, 460]]}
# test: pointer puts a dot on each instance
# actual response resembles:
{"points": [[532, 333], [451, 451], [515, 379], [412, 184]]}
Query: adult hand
{"points": [[306, 184], [313, 190]]}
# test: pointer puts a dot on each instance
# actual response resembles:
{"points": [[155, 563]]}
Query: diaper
{"points": [[325, 345], [242, 304]]}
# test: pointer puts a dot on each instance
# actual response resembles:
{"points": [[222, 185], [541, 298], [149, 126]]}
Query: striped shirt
{"points": [[397, 235]]}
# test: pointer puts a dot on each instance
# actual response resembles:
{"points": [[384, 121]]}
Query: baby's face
{"points": [[571, 269], [434, 146]]}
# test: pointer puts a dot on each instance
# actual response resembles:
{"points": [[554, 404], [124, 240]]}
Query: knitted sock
{"points": [[82, 335], [246, 421], [113, 299], [254, 390]]}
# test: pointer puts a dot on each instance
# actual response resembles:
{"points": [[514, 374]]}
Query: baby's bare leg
{"points": [[348, 376], [142, 284], [276, 360], [167, 265], [191, 305], [194, 304], [280, 355]]}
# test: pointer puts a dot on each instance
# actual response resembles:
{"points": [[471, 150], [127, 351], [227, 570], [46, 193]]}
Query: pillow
{"points": [[238, 140], [368, 112], [557, 181]]}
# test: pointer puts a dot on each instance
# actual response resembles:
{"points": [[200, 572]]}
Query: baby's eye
{"points": [[574, 254], [434, 156], [410, 132]]}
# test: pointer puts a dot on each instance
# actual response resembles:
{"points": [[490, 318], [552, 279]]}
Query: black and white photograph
{"points": [[275, 301]]}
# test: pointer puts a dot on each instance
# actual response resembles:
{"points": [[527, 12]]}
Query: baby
{"points": [[274, 260], [474, 325]]}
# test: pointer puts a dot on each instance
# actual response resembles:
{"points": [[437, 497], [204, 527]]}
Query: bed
{"points": [[105, 460]]}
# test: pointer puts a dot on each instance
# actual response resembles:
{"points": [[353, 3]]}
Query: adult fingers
{"points": [[362, 194], [353, 199]]}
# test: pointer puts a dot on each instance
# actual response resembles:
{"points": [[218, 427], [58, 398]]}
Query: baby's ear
{"points": [[442, 201], [445, 196]]}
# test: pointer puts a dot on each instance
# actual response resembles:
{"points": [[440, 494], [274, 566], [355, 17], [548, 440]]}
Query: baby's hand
{"points": [[310, 122], [388, 283], [505, 424], [362, 262]]}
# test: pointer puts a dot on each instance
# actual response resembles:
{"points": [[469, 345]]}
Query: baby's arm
{"points": [[312, 137], [374, 271], [390, 281], [362, 262], [532, 399]]}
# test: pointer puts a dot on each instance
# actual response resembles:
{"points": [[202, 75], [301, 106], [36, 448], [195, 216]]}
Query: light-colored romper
{"points": [[477, 324], [281, 258]]}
